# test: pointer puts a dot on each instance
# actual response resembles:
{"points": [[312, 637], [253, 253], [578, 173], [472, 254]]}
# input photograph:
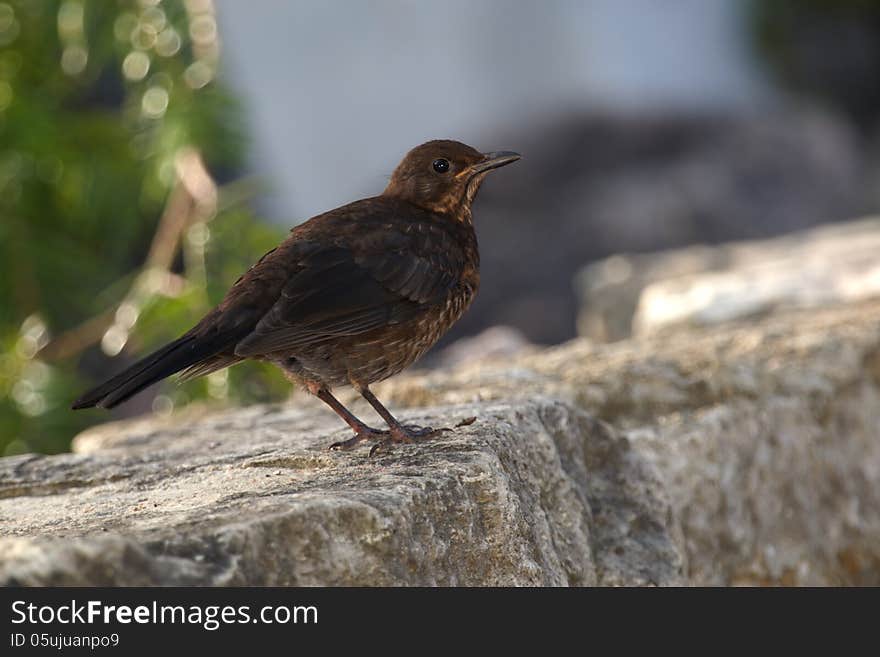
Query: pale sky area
{"points": [[338, 91]]}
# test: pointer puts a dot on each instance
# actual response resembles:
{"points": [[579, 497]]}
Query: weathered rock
{"points": [[703, 285], [742, 454], [766, 436], [537, 494]]}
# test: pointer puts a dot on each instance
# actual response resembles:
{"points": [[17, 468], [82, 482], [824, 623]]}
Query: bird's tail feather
{"points": [[173, 357]]}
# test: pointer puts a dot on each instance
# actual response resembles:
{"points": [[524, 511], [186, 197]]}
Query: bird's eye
{"points": [[440, 165]]}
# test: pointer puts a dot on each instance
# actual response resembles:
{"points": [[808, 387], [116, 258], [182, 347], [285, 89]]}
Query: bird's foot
{"points": [[363, 435], [406, 434]]}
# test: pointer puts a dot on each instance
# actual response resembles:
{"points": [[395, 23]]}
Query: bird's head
{"points": [[444, 176]]}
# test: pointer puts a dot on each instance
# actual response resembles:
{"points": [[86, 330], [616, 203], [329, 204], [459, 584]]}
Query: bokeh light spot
{"points": [[136, 65], [28, 399], [198, 74], [70, 19], [203, 30], [154, 102], [34, 336], [26, 347], [163, 405], [155, 17], [168, 43], [143, 37], [114, 340], [74, 60]]}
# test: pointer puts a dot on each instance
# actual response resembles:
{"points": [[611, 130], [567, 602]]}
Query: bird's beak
{"points": [[494, 160]]}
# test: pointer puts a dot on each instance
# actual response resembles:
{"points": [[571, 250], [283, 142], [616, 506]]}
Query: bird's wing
{"points": [[381, 278]]}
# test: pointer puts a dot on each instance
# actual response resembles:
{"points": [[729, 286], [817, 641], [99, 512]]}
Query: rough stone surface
{"points": [[705, 285], [536, 494], [747, 453], [766, 435]]}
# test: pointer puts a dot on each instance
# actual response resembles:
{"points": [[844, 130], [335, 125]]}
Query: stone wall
{"points": [[741, 453]]}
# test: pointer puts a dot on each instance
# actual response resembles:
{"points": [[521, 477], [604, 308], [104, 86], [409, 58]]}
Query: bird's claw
{"points": [[407, 434]]}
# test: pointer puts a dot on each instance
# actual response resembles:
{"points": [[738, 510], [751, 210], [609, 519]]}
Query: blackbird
{"points": [[351, 297]]}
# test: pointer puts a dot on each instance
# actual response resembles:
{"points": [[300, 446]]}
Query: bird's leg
{"points": [[362, 431], [398, 433]]}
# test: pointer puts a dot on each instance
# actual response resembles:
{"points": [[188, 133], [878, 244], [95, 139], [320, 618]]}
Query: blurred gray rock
{"points": [[701, 285], [593, 185], [739, 454], [496, 342]]}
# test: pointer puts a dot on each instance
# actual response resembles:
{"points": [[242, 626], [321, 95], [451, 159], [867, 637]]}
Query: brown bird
{"points": [[351, 297]]}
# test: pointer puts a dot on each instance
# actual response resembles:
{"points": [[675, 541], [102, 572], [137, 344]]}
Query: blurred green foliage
{"points": [[98, 99]]}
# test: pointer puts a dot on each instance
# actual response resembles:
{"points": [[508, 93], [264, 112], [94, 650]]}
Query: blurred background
{"points": [[151, 150]]}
